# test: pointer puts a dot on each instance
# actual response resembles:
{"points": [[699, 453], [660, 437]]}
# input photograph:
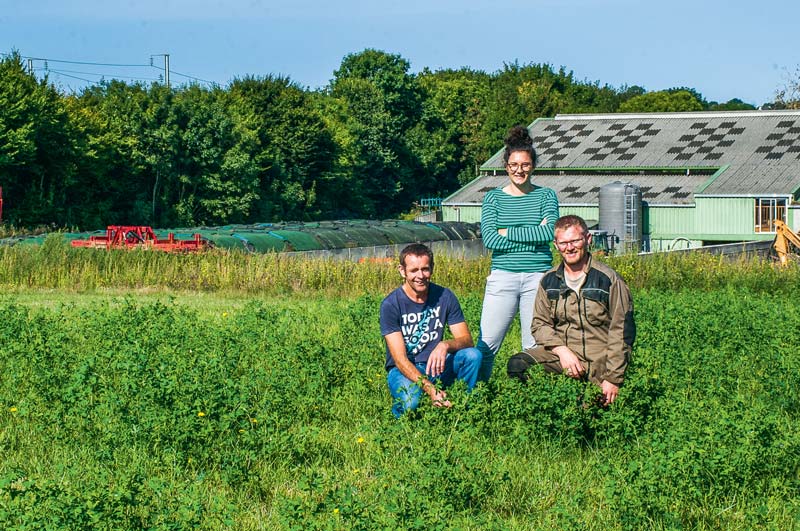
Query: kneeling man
{"points": [[583, 317], [412, 323]]}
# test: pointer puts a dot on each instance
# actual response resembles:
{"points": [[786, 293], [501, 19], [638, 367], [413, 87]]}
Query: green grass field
{"points": [[254, 397]]}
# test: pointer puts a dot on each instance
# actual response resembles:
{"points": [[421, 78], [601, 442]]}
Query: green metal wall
{"points": [[472, 214], [469, 214], [588, 213], [793, 218], [721, 217], [668, 222], [711, 219]]}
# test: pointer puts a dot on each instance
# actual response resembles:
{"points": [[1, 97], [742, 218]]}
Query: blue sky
{"points": [[724, 49]]}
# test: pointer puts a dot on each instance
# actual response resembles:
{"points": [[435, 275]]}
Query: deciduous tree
{"points": [[37, 151], [381, 101], [662, 101], [788, 96], [294, 151]]}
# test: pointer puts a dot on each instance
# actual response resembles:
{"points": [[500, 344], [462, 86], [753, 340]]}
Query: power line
{"points": [[100, 74], [71, 76], [97, 76], [81, 62], [107, 75], [194, 78]]}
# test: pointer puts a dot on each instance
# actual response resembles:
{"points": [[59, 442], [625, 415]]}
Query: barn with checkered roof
{"points": [[705, 177]]}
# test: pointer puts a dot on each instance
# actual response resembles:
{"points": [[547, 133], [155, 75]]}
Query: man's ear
{"points": [[402, 271]]}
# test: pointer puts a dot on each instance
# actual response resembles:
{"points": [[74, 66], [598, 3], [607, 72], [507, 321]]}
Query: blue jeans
{"points": [[506, 293], [463, 365]]}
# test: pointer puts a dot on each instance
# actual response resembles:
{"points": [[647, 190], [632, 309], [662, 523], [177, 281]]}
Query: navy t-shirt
{"points": [[422, 325]]}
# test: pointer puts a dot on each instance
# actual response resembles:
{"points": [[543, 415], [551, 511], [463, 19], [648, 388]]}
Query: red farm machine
{"points": [[142, 237]]}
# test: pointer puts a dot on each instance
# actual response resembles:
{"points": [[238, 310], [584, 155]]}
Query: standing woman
{"points": [[517, 226]]}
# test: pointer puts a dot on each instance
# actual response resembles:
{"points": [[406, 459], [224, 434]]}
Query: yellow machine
{"points": [[786, 244]]}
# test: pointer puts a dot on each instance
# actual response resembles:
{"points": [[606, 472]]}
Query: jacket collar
{"points": [[586, 268]]}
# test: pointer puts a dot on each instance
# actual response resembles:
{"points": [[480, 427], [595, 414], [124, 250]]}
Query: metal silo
{"points": [[621, 215]]}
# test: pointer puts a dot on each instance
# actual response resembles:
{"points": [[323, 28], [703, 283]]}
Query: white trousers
{"points": [[506, 294]]}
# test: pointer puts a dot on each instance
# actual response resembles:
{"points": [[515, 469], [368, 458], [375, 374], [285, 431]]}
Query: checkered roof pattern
{"points": [[751, 152]]}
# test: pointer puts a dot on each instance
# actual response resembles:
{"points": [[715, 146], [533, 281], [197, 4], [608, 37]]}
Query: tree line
{"points": [[370, 144]]}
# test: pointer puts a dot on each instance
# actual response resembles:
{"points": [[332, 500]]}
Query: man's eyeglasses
{"points": [[514, 166], [577, 243]]}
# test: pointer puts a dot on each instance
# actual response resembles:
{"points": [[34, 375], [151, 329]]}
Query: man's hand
{"points": [[435, 365], [569, 362], [439, 398], [503, 232], [610, 392]]}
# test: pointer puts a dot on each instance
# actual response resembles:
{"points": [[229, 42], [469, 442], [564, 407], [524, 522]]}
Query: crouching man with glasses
{"points": [[582, 318]]}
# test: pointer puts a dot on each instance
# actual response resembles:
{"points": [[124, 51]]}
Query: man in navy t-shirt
{"points": [[412, 322]]}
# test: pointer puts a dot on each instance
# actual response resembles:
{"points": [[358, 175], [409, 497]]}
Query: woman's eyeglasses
{"points": [[514, 166]]}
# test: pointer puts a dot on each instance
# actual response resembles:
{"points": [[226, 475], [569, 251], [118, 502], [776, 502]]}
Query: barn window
{"points": [[768, 209]]}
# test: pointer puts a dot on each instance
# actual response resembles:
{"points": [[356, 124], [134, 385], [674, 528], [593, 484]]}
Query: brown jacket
{"points": [[596, 324]]}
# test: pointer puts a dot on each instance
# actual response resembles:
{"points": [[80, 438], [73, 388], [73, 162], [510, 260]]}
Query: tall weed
{"points": [[55, 265]]}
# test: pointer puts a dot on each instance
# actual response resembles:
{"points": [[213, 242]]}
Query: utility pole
{"points": [[166, 65]]}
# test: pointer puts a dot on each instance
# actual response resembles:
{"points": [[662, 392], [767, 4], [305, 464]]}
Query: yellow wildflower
{"points": [[13, 409], [360, 440], [201, 414], [336, 511]]}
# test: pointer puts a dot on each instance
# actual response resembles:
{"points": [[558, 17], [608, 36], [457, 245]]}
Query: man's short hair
{"points": [[565, 222], [416, 249]]}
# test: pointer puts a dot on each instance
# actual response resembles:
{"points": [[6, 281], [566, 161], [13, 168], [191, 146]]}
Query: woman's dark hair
{"points": [[518, 139]]}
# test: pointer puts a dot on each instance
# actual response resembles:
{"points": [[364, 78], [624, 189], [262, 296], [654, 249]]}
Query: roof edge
{"points": [[670, 170], [672, 115], [711, 179], [740, 196], [461, 187], [460, 204]]}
